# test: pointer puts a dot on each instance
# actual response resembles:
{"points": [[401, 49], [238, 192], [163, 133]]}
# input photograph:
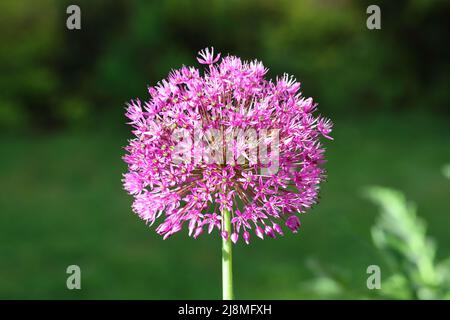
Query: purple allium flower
{"points": [[225, 140]]}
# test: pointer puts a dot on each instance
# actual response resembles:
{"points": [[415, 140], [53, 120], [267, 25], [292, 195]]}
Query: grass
{"points": [[62, 203]]}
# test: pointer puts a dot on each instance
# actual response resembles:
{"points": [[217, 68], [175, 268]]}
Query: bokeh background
{"points": [[62, 130]]}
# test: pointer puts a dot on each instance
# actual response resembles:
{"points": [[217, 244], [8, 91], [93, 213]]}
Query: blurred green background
{"points": [[62, 131]]}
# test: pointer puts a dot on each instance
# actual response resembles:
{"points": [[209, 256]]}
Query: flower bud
{"points": [[224, 235], [259, 232], [269, 231], [234, 237], [278, 229], [246, 236], [293, 223]]}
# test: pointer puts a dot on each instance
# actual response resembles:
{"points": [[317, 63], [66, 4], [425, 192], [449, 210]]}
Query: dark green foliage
{"points": [[53, 77]]}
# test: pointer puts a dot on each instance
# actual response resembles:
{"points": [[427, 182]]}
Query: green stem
{"points": [[227, 270]]}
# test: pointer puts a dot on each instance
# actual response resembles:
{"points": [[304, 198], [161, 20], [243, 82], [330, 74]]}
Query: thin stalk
{"points": [[227, 270]]}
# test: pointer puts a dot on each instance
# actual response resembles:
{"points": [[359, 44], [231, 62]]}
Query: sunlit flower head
{"points": [[227, 139]]}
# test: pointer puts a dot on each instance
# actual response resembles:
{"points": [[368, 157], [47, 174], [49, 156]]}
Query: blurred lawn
{"points": [[62, 203]]}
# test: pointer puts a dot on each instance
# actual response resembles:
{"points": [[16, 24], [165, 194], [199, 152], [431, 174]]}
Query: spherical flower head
{"points": [[227, 139]]}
